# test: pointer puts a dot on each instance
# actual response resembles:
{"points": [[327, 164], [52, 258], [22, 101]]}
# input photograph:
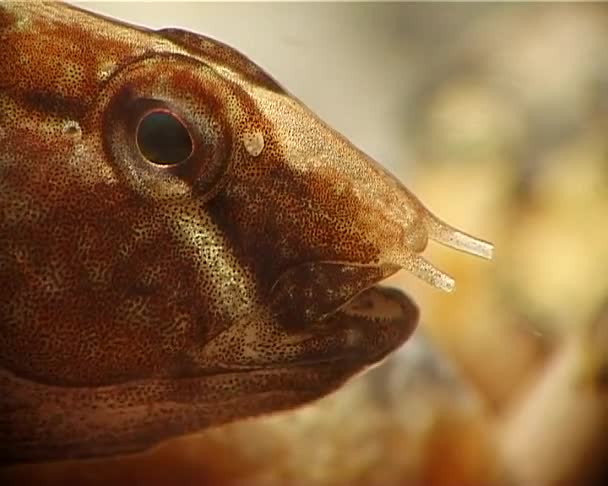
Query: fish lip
{"points": [[384, 330], [310, 292]]}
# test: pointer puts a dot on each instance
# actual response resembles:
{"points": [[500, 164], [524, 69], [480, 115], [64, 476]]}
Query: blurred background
{"points": [[496, 116]]}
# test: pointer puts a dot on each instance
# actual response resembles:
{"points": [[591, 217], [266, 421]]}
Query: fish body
{"points": [[182, 242]]}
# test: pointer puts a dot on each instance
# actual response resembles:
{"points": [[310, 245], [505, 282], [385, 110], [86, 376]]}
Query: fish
{"points": [[183, 243]]}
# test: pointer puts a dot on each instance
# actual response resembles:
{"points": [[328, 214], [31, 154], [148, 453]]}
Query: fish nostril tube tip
{"points": [[474, 246], [446, 235], [425, 271]]}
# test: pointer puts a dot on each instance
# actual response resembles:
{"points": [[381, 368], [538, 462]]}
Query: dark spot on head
{"points": [[62, 106]]}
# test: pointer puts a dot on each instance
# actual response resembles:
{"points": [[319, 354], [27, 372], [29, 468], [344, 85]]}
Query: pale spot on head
{"points": [[105, 70], [254, 143], [72, 128]]}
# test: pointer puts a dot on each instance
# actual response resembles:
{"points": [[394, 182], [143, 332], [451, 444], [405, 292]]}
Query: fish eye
{"points": [[163, 139]]}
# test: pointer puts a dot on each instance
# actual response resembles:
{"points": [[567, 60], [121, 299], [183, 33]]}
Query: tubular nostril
{"points": [[446, 235], [424, 270]]}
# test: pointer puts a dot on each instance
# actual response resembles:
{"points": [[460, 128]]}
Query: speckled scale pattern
{"points": [[139, 301]]}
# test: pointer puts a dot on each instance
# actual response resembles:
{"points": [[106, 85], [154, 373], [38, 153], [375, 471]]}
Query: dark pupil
{"points": [[163, 139]]}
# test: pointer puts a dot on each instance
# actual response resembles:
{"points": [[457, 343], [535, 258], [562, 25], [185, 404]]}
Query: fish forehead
{"points": [[42, 33]]}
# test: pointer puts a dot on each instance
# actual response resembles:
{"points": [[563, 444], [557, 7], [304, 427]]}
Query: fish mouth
{"points": [[335, 312], [364, 330]]}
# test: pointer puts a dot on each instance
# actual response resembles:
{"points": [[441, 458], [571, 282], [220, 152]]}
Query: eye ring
{"points": [[163, 138], [134, 92]]}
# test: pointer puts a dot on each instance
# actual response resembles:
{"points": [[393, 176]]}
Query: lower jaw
{"points": [[373, 325]]}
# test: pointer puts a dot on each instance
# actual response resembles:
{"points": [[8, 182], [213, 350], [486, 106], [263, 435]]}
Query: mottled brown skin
{"points": [[140, 301]]}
